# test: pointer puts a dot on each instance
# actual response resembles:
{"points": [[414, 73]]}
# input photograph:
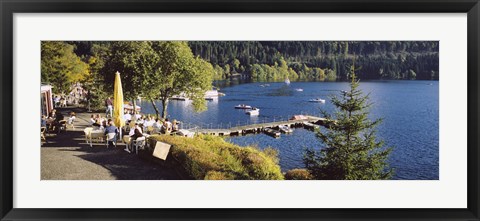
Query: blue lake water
{"points": [[409, 109]]}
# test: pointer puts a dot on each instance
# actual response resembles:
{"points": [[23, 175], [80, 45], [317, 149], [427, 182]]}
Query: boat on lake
{"points": [[179, 98], [310, 126], [212, 94], [287, 81], [285, 129], [243, 106], [271, 132], [299, 89], [209, 98], [317, 100], [129, 106], [253, 112]]}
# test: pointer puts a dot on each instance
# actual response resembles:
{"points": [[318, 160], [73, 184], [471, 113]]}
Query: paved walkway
{"points": [[67, 156]]}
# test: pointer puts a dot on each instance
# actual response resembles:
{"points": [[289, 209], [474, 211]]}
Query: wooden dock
{"points": [[258, 128]]}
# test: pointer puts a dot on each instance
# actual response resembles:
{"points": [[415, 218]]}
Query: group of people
{"points": [[135, 125], [60, 101], [53, 121]]}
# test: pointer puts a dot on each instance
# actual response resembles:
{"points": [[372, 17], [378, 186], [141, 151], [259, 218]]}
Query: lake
{"points": [[409, 109]]}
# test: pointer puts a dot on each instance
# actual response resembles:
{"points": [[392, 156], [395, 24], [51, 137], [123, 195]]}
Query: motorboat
{"points": [[310, 126], [181, 97], [299, 89], [285, 129], [317, 100], [253, 112], [128, 106], [243, 106], [271, 132]]}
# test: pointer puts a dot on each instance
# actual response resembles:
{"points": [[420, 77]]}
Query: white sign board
{"points": [[161, 150]]}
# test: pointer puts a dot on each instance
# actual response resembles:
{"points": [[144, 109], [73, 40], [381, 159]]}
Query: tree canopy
{"points": [[379, 59], [178, 72], [60, 66]]}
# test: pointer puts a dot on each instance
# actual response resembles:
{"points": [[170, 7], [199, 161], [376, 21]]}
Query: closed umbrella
{"points": [[118, 102]]}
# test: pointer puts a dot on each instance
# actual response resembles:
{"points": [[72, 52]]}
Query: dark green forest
{"points": [[312, 60]]}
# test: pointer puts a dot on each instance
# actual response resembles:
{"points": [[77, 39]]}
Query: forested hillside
{"points": [[311, 60], [321, 60]]}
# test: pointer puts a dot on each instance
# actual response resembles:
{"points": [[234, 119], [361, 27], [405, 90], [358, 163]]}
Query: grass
{"points": [[212, 158]]}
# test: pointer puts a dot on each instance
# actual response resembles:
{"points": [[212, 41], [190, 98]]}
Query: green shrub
{"points": [[209, 157], [298, 174]]}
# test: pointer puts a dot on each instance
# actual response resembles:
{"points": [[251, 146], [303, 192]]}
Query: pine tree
{"points": [[351, 150]]}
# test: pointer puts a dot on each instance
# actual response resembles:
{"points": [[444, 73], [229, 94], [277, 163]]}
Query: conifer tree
{"points": [[351, 150]]}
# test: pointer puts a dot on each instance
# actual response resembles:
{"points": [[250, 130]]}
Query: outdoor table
{"points": [[96, 134]]}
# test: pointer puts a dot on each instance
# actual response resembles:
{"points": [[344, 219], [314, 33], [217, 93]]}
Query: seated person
{"points": [[136, 134], [72, 118], [111, 129], [99, 121], [127, 116], [137, 115], [167, 126], [52, 114], [140, 120], [175, 125], [93, 121], [134, 126], [158, 124], [148, 123]]}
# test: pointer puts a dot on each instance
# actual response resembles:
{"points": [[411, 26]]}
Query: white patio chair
{"points": [[111, 137], [139, 143], [87, 132]]}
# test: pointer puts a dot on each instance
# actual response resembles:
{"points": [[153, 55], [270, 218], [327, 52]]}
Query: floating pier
{"points": [[259, 128]]}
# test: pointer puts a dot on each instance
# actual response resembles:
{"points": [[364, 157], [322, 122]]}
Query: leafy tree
{"points": [[135, 60], [178, 72], [97, 90], [60, 66], [351, 150]]}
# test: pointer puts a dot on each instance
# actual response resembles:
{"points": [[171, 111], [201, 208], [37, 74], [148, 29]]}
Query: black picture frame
{"points": [[9, 7]]}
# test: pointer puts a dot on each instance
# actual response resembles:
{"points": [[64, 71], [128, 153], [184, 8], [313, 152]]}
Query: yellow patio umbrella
{"points": [[118, 102]]}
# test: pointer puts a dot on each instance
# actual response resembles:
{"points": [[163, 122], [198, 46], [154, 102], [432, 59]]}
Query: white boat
{"points": [[253, 112], [179, 98], [287, 81], [285, 129], [317, 100], [271, 132], [310, 126], [129, 106], [243, 106], [299, 89], [211, 93]]}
